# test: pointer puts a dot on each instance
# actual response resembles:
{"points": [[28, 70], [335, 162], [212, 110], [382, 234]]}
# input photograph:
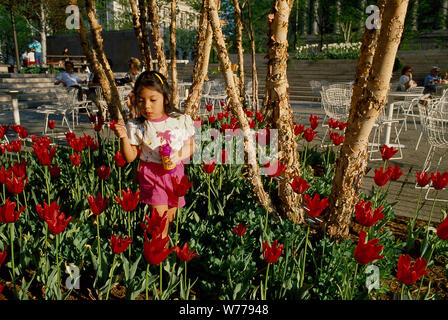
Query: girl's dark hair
{"points": [[405, 69], [159, 83]]}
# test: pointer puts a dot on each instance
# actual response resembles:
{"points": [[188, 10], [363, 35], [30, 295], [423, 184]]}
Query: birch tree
{"points": [[237, 108], [201, 62], [139, 20], [173, 66], [239, 45], [250, 34], [153, 13], [374, 71]]}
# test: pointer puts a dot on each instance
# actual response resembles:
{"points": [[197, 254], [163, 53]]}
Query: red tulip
{"points": [[409, 272], [42, 142], [309, 134], [20, 130], [313, 121], [120, 161], [209, 167], [7, 213], [209, 106], [224, 156], [336, 138], [439, 181], [44, 155], [240, 230], [259, 116], [220, 116], [18, 169], [119, 244], [271, 254], [112, 124], [381, 178], [130, 200], [396, 173], [16, 184], [367, 252], [55, 171], [315, 206], [99, 125], [223, 103], [252, 124], [48, 212], [58, 223], [92, 118], [181, 187], [185, 254], [155, 251], [299, 185], [3, 130], [51, 124], [14, 145], [211, 119], [333, 124], [442, 230], [342, 125], [263, 137], [87, 140], [364, 216], [76, 159], [103, 172], [93, 146], [2, 258], [422, 179], [2, 149], [387, 152], [77, 144], [156, 224], [275, 169], [248, 113], [3, 175], [298, 129], [69, 136], [98, 205]]}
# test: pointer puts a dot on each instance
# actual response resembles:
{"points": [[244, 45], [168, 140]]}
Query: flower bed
{"points": [[222, 244], [329, 51]]}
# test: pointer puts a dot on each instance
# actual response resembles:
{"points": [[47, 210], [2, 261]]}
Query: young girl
{"points": [[158, 123]]}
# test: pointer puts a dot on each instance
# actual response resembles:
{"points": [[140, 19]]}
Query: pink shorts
{"points": [[156, 185]]}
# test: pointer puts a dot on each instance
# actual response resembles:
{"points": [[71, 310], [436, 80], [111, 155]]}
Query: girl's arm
{"points": [[129, 151]]}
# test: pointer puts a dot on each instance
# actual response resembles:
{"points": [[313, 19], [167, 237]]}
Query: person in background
{"points": [[25, 59], [69, 79], [37, 49], [431, 80], [405, 82], [30, 57], [66, 54]]}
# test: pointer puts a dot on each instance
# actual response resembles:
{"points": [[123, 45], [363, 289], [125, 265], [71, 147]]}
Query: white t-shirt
{"points": [[69, 79], [151, 134]]}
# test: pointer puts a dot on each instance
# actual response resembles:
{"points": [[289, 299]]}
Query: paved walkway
{"points": [[403, 191]]}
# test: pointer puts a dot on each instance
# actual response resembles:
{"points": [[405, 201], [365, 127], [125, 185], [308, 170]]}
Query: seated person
{"points": [[431, 79], [69, 79], [132, 74], [405, 82]]}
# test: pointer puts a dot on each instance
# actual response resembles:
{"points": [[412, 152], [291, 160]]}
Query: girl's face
{"points": [[150, 103]]}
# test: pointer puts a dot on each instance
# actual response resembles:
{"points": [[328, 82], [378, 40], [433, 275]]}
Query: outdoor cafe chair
{"points": [[405, 108], [434, 120]]}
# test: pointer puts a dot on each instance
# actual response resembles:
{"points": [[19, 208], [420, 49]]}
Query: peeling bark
{"points": [[370, 90], [139, 22], [115, 107], [250, 34], [237, 109], [153, 12], [239, 46], [414, 17], [173, 66], [278, 88], [200, 69]]}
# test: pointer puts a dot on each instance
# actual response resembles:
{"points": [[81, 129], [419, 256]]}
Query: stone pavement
{"points": [[403, 190]]}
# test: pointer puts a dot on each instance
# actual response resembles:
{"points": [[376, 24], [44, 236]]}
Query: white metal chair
{"points": [[336, 104], [434, 120], [406, 107]]}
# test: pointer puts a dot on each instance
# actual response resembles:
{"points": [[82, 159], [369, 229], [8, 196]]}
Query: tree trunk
{"points": [[414, 26], [369, 96], [153, 13], [115, 108], [278, 88], [237, 109], [315, 17], [43, 33], [173, 66], [239, 46], [200, 69], [250, 33], [139, 22], [444, 14], [338, 14], [14, 35], [362, 24]]}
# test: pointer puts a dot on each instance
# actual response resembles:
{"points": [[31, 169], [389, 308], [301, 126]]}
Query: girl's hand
{"points": [[120, 131]]}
